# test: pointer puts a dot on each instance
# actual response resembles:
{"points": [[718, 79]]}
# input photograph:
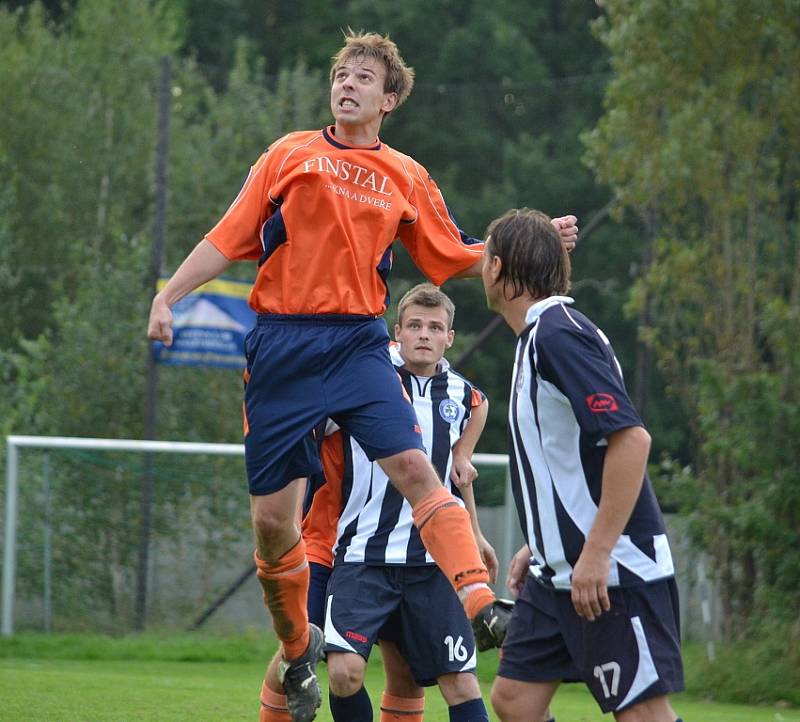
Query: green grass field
{"points": [[206, 679]]}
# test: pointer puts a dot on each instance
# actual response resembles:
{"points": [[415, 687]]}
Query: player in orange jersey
{"points": [[319, 211]]}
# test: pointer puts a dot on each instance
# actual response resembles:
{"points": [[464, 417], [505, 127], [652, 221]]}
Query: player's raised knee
{"points": [[411, 473], [269, 518]]}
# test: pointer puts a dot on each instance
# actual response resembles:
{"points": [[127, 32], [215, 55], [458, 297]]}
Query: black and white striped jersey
{"points": [[375, 526], [567, 397]]}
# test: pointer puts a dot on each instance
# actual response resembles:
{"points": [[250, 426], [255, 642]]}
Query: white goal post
{"points": [[15, 443]]}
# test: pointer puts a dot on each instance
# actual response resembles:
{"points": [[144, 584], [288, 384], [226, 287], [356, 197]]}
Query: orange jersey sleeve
{"points": [[320, 523], [433, 239], [237, 235]]}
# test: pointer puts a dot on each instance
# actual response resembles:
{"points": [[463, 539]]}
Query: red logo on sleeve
{"points": [[602, 403]]}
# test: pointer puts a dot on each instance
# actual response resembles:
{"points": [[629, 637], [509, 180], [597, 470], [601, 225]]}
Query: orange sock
{"points": [[273, 706], [476, 600], [401, 709], [285, 586], [445, 529]]}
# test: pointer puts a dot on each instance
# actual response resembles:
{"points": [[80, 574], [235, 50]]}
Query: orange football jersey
{"points": [[321, 218]]}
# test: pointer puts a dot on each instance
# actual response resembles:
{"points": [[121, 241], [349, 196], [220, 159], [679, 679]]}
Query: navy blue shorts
{"points": [[629, 654], [414, 607], [304, 369]]}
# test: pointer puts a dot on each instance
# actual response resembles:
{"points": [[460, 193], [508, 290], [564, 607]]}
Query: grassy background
{"points": [[200, 678]]}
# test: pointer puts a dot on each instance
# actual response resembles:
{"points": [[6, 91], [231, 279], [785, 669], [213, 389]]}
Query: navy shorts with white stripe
{"points": [[627, 655]]}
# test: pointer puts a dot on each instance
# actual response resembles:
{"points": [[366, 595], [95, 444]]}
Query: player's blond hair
{"points": [[429, 296], [399, 77]]}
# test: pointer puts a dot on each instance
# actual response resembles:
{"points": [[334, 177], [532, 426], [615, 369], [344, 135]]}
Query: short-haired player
{"points": [[319, 212]]}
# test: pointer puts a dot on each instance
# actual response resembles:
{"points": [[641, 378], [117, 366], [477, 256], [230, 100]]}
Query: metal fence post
{"points": [[10, 553]]}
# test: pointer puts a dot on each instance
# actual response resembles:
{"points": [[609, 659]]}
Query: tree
{"points": [[701, 135]]}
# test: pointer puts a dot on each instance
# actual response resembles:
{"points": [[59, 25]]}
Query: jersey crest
{"points": [[451, 411]]}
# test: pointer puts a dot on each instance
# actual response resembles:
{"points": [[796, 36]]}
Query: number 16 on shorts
{"points": [[456, 649]]}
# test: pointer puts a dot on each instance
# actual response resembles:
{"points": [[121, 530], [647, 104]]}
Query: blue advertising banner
{"points": [[209, 326]]}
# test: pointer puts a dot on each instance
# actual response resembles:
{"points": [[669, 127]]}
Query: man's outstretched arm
{"points": [[201, 265]]}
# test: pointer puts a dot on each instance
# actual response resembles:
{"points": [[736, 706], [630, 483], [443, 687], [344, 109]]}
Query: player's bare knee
{"points": [[410, 472], [273, 526], [459, 687], [345, 674], [506, 703], [502, 702], [274, 519]]}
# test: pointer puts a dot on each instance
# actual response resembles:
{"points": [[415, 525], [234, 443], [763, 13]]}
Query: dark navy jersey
{"points": [[568, 396]]}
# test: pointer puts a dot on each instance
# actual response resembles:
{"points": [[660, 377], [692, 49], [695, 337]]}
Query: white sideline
{"points": [[15, 442]]}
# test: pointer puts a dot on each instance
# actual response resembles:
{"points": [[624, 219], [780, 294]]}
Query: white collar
{"points": [[540, 307]]}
